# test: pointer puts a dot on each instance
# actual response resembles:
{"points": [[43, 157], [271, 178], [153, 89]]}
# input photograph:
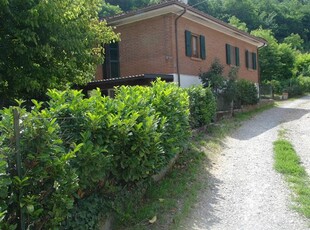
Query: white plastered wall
{"points": [[187, 80]]}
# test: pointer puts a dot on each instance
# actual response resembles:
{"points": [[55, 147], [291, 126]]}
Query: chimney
{"points": [[184, 1]]}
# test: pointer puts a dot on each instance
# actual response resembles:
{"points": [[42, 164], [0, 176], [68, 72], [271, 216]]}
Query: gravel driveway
{"points": [[244, 191]]}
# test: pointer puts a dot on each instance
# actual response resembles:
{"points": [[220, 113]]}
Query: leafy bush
{"points": [[293, 87], [304, 82], [138, 147], [5, 182], [86, 121], [276, 86], [229, 91], [76, 147], [202, 106], [214, 77], [86, 213], [44, 192], [172, 103], [247, 92]]}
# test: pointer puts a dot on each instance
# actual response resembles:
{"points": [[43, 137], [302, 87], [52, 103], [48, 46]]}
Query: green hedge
{"points": [[77, 146], [48, 180], [202, 106]]}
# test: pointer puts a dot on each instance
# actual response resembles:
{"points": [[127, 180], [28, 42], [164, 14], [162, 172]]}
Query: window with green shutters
{"points": [[111, 68], [195, 45], [250, 60], [232, 55]]}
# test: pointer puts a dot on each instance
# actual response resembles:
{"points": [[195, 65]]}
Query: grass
{"points": [[171, 199], [288, 163], [162, 199]]}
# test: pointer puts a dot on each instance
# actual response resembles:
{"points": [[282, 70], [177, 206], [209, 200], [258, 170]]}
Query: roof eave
{"points": [[192, 14]]}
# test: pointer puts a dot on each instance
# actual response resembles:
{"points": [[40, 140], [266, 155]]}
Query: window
{"points": [[232, 55], [111, 62], [195, 45], [250, 60]]}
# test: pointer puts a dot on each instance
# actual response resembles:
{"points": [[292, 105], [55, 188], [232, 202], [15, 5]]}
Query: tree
{"points": [[127, 5], [287, 59], [109, 10], [276, 60], [302, 65], [295, 41], [234, 21], [49, 44], [268, 56], [283, 17]]}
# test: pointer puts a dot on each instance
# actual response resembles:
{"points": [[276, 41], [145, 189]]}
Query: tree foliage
{"points": [[109, 10], [295, 41], [127, 5], [276, 60], [302, 65], [234, 21], [282, 17], [48, 44]]}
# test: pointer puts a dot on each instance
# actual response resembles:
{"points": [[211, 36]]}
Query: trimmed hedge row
{"points": [[77, 146], [202, 106]]}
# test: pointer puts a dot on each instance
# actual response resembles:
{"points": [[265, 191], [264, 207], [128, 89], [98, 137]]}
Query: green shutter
{"points": [[202, 47], [254, 61], [228, 59], [188, 43], [237, 56], [247, 59]]}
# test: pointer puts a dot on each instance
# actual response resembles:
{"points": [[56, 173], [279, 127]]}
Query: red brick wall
{"points": [[215, 48], [148, 46]]}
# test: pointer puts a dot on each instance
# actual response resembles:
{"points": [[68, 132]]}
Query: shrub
{"points": [[138, 144], [293, 87], [77, 146], [214, 77], [172, 103], [247, 92], [44, 192], [276, 86], [86, 121], [304, 82], [202, 106]]}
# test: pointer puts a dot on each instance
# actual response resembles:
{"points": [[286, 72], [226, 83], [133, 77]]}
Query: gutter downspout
{"points": [[177, 46], [258, 67]]}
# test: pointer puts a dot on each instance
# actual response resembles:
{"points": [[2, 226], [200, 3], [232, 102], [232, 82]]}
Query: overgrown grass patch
{"points": [[288, 163]]}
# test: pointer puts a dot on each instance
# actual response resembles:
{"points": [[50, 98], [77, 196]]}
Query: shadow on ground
{"points": [[270, 119]]}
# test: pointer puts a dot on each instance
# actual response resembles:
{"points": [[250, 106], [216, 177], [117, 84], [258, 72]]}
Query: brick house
{"points": [[175, 42]]}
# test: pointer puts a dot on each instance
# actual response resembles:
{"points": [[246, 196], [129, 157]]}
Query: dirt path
{"points": [[244, 191]]}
